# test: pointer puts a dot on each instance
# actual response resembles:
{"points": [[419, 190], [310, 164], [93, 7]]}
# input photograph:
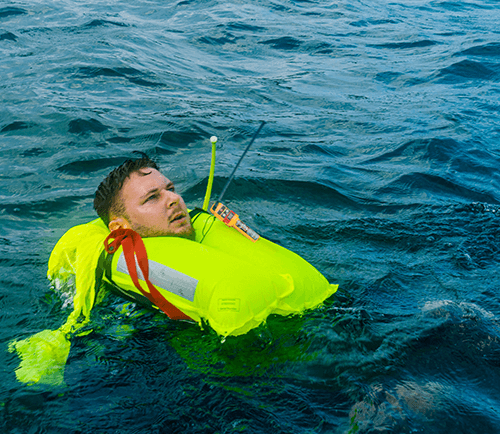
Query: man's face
{"points": [[153, 208]]}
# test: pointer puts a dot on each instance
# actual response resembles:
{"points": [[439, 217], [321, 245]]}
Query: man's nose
{"points": [[171, 198]]}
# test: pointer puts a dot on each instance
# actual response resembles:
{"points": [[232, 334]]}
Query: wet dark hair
{"points": [[106, 200]]}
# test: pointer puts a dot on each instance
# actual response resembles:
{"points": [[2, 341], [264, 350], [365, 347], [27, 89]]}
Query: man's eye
{"points": [[152, 197]]}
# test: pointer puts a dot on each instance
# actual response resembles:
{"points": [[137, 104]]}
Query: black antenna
{"points": [[239, 161]]}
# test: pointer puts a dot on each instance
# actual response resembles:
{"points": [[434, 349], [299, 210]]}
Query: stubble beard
{"points": [[188, 232]]}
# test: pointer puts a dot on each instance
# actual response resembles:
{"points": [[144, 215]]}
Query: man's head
{"points": [[137, 196]]}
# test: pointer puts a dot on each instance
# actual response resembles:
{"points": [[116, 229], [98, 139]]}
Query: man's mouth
{"points": [[177, 217]]}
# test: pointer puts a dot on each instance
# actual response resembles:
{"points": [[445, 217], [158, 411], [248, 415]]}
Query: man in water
{"points": [[137, 196]]}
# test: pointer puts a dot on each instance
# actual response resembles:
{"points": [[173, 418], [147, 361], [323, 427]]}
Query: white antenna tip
{"points": [[213, 139]]}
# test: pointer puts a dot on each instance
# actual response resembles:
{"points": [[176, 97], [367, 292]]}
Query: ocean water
{"points": [[378, 163]]}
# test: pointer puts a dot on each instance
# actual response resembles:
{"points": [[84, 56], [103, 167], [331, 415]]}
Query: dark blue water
{"points": [[378, 164]]}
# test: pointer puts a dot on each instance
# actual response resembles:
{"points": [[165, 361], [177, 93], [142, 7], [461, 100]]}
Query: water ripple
{"points": [[467, 70], [485, 50], [11, 11], [407, 45]]}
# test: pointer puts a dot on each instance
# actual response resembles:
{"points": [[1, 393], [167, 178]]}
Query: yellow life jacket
{"points": [[223, 278]]}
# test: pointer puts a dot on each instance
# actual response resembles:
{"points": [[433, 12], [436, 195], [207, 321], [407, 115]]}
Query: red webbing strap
{"points": [[134, 248]]}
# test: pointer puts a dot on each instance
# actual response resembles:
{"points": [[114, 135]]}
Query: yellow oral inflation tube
{"points": [[213, 139]]}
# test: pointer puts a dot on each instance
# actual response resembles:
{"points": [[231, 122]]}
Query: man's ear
{"points": [[118, 223]]}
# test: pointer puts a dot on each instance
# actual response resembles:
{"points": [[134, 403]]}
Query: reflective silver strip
{"points": [[165, 277]]}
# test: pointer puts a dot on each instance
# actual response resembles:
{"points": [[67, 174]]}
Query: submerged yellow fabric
{"points": [[43, 355]]}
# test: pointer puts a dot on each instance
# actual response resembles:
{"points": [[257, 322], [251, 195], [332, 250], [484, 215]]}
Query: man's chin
{"points": [[186, 232]]}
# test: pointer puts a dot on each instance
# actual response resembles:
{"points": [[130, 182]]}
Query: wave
{"points": [[12, 11], [283, 43], [132, 75], [8, 36], [103, 23], [419, 152], [484, 50], [466, 70], [441, 187], [16, 126], [53, 203], [88, 166], [438, 153], [406, 45], [434, 166], [368, 22], [86, 126]]}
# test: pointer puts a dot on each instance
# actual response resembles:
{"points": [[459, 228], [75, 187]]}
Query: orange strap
{"points": [[134, 248]]}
